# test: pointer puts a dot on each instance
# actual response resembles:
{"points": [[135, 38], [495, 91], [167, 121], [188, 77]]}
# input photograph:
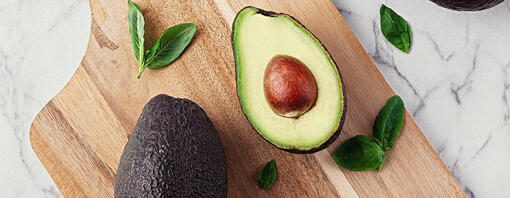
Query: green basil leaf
{"points": [[359, 154], [388, 122], [395, 29], [136, 31], [170, 45], [267, 175], [149, 54]]}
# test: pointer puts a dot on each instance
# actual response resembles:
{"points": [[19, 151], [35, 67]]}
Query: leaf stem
{"points": [[380, 166], [140, 70]]}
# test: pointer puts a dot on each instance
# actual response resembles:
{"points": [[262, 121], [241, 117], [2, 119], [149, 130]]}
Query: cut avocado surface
{"points": [[174, 151], [259, 37]]}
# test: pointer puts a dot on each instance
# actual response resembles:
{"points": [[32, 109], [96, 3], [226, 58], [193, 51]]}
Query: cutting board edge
{"points": [[409, 115], [46, 106]]}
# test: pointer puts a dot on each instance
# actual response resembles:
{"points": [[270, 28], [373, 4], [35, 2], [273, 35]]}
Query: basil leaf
{"points": [[359, 154], [170, 45], [395, 29], [388, 122], [267, 175], [136, 31], [149, 54]]}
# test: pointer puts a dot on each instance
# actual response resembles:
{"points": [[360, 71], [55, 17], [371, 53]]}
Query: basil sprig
{"points": [[267, 175], [362, 153], [165, 50], [395, 29]]}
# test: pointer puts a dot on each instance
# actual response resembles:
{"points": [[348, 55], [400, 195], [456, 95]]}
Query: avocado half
{"points": [[257, 37], [467, 5], [174, 151]]}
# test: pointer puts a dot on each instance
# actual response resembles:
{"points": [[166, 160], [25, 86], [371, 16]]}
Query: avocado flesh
{"points": [[174, 151], [259, 35], [467, 5]]}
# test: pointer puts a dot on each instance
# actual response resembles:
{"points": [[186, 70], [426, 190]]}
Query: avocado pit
{"points": [[289, 86]]}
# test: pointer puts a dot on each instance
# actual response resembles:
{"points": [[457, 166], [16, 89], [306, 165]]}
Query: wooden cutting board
{"points": [[80, 134]]}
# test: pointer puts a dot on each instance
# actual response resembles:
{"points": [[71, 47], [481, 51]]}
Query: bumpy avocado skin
{"points": [[174, 151], [467, 5]]}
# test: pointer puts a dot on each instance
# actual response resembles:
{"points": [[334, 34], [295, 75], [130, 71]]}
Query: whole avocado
{"points": [[467, 5], [174, 151]]}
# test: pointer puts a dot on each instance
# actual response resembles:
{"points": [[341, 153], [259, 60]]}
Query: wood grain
{"points": [[80, 134]]}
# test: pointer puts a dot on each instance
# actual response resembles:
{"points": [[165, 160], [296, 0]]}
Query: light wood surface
{"points": [[80, 134]]}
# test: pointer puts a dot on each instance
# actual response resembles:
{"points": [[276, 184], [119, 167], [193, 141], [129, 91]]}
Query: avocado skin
{"points": [[174, 151], [467, 5], [344, 98]]}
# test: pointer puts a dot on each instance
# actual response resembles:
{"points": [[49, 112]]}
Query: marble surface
{"points": [[455, 82], [43, 43]]}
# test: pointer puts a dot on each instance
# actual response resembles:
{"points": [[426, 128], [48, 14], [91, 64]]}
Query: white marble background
{"points": [[455, 81], [42, 44]]}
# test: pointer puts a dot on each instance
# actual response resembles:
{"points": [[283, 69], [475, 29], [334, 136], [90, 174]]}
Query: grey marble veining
{"points": [[455, 82], [43, 43]]}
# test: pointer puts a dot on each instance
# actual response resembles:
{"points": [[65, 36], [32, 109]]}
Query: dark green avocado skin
{"points": [[467, 5], [174, 151]]}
